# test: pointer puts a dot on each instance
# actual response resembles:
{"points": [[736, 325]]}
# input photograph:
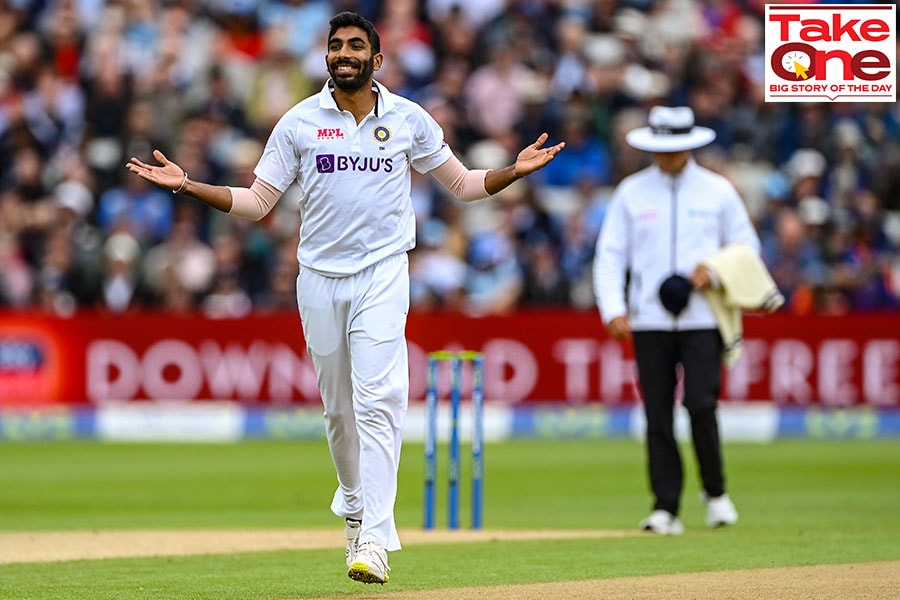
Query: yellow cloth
{"points": [[744, 284]]}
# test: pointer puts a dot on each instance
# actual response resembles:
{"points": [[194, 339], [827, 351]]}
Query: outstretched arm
{"points": [[254, 202], [530, 159], [170, 176]]}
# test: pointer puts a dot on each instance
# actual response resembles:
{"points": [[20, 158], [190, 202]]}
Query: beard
{"points": [[352, 83]]}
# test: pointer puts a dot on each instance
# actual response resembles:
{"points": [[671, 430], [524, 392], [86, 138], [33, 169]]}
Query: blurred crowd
{"points": [[87, 84]]}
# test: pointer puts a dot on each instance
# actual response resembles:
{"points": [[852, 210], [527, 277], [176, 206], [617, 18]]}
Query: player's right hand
{"points": [[619, 328], [168, 175]]}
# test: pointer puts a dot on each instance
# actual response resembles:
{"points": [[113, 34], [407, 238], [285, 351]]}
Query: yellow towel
{"points": [[744, 284]]}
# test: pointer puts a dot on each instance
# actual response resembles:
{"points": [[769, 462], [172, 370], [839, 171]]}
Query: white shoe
{"points": [[351, 532], [663, 522], [370, 565], [720, 511]]}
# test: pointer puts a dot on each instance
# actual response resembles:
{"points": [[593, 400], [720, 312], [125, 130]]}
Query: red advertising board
{"points": [[529, 357]]}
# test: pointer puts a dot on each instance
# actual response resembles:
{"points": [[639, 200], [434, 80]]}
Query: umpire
{"points": [[661, 222]]}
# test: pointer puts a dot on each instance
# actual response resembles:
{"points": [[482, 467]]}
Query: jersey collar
{"points": [[383, 104]]}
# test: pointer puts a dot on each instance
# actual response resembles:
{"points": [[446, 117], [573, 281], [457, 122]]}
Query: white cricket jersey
{"points": [[355, 204], [657, 225]]}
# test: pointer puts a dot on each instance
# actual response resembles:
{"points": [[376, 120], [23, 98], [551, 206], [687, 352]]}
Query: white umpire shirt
{"points": [[657, 225], [355, 204]]}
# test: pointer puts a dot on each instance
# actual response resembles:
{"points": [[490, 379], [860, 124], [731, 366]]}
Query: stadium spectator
{"points": [[455, 38], [589, 159], [123, 287], [437, 273], [543, 284], [227, 300], [495, 91], [143, 209], [864, 268], [409, 40], [276, 84], [298, 23], [183, 256], [74, 205], [280, 294], [493, 282], [795, 262]]}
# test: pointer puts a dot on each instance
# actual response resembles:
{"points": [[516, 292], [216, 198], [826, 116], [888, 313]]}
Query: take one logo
{"points": [[332, 163], [841, 53]]}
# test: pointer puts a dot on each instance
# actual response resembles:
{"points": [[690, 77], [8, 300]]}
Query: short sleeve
{"points": [[280, 161], [429, 150]]}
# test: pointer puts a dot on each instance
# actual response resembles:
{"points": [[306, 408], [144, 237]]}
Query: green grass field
{"points": [[801, 503]]}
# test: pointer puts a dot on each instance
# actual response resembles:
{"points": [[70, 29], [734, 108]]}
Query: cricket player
{"points": [[350, 149]]}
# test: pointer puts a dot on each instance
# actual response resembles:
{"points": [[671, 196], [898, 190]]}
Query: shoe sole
{"points": [[717, 524], [360, 572], [663, 531], [666, 531]]}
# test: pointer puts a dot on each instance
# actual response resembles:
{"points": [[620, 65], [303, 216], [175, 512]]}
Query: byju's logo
{"points": [[329, 163], [325, 163], [842, 53]]}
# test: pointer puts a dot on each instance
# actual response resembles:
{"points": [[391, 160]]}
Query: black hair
{"points": [[351, 19]]}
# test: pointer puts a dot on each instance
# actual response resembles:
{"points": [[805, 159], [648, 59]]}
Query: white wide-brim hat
{"points": [[670, 129]]}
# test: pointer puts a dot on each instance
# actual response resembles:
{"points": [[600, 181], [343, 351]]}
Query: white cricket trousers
{"points": [[355, 330]]}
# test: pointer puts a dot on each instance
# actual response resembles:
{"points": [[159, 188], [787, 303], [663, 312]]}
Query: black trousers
{"points": [[699, 354]]}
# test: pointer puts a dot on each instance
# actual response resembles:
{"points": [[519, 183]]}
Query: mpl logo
{"points": [[329, 134], [842, 53]]}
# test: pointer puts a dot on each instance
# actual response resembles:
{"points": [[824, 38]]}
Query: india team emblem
{"points": [[381, 134]]}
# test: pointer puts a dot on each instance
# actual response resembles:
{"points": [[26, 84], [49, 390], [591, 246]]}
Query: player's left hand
{"points": [[534, 157], [701, 278]]}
